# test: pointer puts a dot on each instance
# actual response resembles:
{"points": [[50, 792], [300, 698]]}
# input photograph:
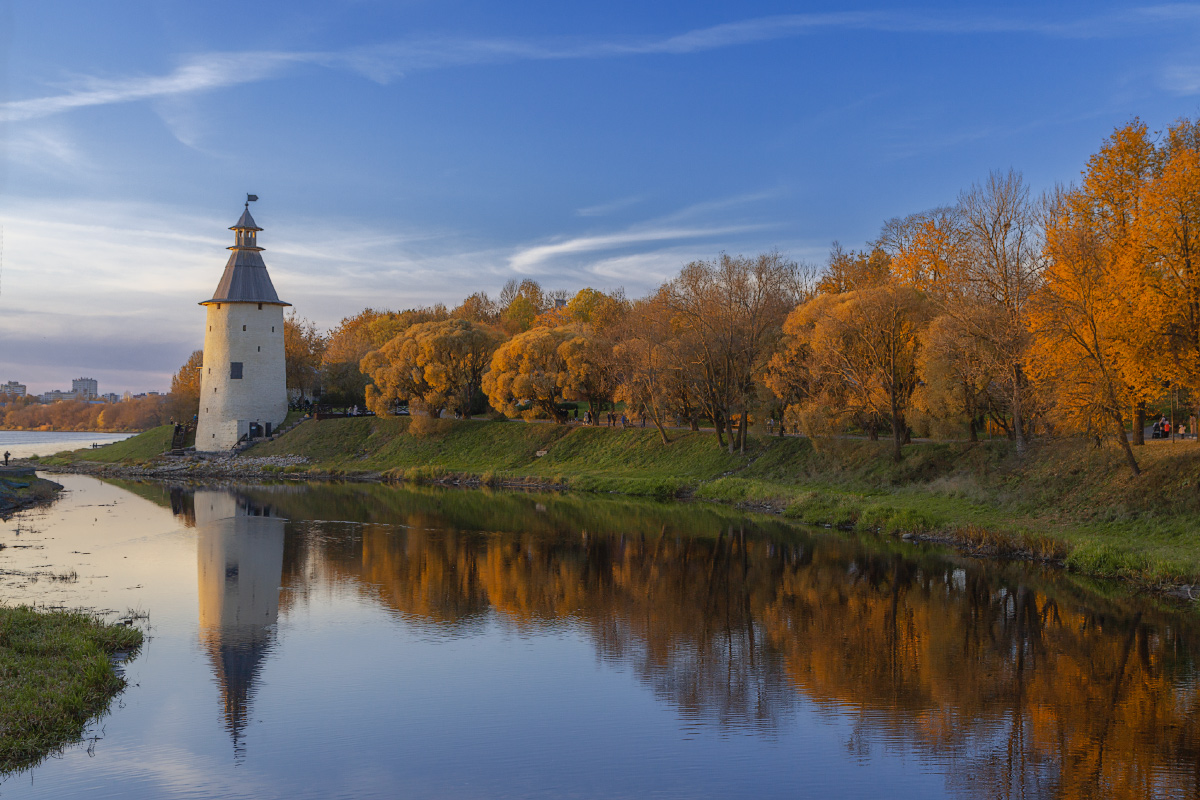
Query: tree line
{"points": [[1071, 312], [130, 414]]}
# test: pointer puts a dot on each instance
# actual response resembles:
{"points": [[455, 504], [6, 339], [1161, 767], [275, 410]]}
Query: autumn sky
{"points": [[413, 152]]}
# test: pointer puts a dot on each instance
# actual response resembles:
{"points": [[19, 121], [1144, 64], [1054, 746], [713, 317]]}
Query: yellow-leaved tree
{"points": [[435, 366], [862, 348], [528, 368], [1077, 322]]}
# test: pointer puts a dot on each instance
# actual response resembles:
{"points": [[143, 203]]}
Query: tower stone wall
{"points": [[241, 333]]}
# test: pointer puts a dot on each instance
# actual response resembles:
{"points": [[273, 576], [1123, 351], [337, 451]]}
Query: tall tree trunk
{"points": [[973, 428], [662, 433], [1119, 427], [719, 427], [1139, 424], [742, 432], [898, 428], [1018, 418]]}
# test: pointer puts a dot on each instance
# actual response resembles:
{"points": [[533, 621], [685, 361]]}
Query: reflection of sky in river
{"points": [[301, 659]]}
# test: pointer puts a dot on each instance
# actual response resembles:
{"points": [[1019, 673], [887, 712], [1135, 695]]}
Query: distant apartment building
{"points": [[85, 388], [111, 397], [13, 389], [56, 396]]}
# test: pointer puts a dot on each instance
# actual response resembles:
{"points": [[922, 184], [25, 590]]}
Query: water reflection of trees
{"points": [[1016, 682]]}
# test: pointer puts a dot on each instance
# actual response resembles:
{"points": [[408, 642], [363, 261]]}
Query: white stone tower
{"points": [[243, 385]]}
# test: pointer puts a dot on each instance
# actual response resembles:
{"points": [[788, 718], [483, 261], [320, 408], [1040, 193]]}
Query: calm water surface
{"points": [[368, 641], [23, 444]]}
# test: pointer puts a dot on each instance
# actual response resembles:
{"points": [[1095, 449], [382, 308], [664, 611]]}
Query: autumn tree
{"points": [[1002, 265], [520, 305], [862, 352], [433, 365], [927, 251], [732, 307], [1168, 233], [588, 370], [848, 270], [342, 380], [184, 399], [956, 369], [529, 368], [303, 348], [477, 308], [646, 363]]}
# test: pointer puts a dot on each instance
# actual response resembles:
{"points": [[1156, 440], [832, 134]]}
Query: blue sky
{"points": [[414, 152]]}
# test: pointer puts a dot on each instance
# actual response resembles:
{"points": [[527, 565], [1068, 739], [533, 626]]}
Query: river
{"points": [[367, 641], [23, 444]]}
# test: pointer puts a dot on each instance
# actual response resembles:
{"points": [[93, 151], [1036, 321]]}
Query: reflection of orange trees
{"points": [[430, 577], [1004, 677], [1032, 693]]}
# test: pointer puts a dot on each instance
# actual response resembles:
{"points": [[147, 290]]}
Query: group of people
{"points": [[1162, 429], [610, 418]]}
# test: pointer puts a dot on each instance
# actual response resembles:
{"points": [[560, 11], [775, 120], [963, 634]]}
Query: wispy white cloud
{"points": [[45, 149], [531, 258], [200, 73], [1182, 79], [386, 62]]}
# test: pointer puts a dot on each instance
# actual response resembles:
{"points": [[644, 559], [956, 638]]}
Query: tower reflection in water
{"points": [[239, 556]]}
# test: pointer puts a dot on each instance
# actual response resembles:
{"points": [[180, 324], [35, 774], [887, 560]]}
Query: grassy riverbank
{"points": [[21, 489], [55, 675], [1065, 500]]}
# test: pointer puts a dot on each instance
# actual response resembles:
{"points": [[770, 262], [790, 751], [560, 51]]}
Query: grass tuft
{"points": [[55, 675]]}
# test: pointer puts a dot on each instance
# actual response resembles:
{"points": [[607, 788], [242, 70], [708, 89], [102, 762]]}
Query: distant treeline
{"points": [[1073, 312], [132, 414]]}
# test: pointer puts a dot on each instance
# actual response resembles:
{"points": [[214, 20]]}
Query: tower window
{"points": [[260, 348], [272, 329], [260, 306], [243, 327], [235, 370], [218, 306]]}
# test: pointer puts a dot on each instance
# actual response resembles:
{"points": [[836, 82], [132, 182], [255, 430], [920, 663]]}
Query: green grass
{"points": [[17, 493], [55, 675], [142, 447]]}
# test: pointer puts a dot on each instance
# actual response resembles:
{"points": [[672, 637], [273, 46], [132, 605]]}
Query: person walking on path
{"points": [[6, 455]]}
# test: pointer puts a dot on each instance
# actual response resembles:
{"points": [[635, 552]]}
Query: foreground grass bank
{"points": [[20, 489], [55, 675], [1065, 500]]}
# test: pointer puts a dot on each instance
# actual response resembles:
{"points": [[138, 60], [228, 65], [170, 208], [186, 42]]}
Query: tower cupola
{"points": [[245, 279]]}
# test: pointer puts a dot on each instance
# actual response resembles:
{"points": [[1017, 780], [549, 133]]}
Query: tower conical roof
{"points": [[245, 279], [245, 221]]}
